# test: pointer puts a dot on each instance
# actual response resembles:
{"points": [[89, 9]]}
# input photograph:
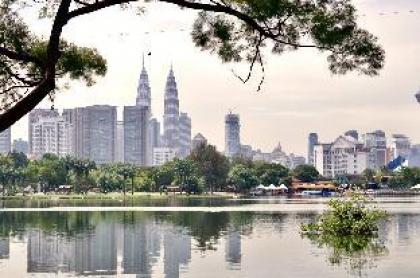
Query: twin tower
{"points": [[143, 142]]}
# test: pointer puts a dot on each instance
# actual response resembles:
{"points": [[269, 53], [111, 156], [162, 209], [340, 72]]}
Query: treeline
{"points": [[205, 169]]}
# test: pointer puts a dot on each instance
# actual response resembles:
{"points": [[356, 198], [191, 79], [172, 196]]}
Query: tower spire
{"points": [[143, 60]]}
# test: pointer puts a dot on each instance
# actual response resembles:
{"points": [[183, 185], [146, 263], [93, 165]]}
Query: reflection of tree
{"points": [[356, 253]]}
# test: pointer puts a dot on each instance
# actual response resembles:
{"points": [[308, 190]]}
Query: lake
{"points": [[196, 238]]}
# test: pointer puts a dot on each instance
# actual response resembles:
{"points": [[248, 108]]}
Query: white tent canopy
{"points": [[282, 186], [261, 186], [417, 186], [272, 187]]}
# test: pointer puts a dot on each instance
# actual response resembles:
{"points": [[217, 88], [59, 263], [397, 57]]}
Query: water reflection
{"points": [[193, 244]]}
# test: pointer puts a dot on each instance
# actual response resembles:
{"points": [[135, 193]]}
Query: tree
{"points": [[126, 171], [212, 165], [81, 169], [242, 177], [185, 173], [6, 169], [369, 175], [237, 30], [306, 173], [51, 172], [270, 173]]}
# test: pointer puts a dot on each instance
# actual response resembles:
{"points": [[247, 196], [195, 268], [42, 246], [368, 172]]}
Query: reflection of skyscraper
{"points": [[4, 248], [177, 251], [47, 252], [233, 247], [96, 254], [141, 247]]}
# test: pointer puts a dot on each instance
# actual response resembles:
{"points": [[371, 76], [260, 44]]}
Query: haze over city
{"points": [[299, 94]]}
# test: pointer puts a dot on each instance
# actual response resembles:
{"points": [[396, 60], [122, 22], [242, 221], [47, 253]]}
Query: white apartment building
{"points": [[345, 156], [50, 135], [163, 155]]}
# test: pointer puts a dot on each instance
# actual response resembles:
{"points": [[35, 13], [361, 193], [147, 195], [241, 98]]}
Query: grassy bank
{"points": [[117, 196]]}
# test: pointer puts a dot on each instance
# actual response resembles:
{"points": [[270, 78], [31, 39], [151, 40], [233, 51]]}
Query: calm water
{"points": [[225, 238]]}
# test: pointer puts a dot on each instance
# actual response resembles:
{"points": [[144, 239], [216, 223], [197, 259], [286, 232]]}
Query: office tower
{"points": [[136, 128], [143, 98], [5, 141], [312, 141], [119, 142], [95, 132], [155, 135], [171, 113], [232, 135], [184, 135]]}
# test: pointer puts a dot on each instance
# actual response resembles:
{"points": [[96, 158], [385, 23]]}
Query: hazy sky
{"points": [[299, 95]]}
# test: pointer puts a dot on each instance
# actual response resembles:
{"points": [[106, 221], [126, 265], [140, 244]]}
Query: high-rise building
{"points": [[33, 116], [95, 132], [144, 98], [232, 135], [50, 134], [184, 135], [376, 142], [352, 133], [312, 141], [400, 146], [155, 135], [136, 128], [198, 140], [20, 146], [119, 142], [5, 141], [171, 113]]}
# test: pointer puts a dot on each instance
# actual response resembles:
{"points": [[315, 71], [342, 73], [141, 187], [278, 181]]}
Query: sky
{"points": [[299, 94]]}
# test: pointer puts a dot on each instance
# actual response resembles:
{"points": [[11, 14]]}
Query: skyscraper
{"points": [[5, 141], [136, 123], [143, 90], [184, 135], [401, 145], [312, 141], [171, 113], [154, 126], [119, 142], [232, 135], [95, 132], [33, 116]]}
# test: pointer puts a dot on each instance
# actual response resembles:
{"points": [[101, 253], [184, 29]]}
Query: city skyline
{"points": [[299, 94]]}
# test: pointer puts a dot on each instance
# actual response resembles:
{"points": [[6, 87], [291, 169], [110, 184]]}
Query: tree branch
{"points": [[20, 56]]}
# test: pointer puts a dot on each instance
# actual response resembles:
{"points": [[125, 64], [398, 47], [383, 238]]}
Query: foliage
{"points": [[346, 218], [236, 30], [270, 173], [306, 173], [243, 178], [211, 164]]}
